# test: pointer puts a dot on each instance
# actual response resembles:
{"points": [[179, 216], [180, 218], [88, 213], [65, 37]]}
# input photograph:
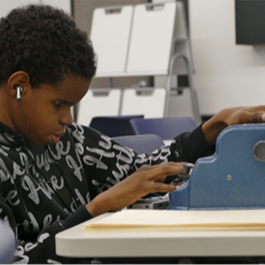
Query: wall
{"points": [[63, 4], [8, 5], [226, 74]]}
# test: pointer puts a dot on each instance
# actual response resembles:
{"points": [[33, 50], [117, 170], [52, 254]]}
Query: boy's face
{"points": [[48, 110]]}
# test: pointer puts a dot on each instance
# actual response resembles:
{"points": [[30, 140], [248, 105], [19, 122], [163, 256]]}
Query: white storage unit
{"points": [[144, 40], [98, 102], [148, 101]]}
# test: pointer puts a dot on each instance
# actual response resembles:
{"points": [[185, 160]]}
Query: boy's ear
{"points": [[18, 79]]}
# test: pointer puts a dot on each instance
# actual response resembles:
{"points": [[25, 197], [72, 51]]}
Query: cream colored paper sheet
{"points": [[164, 220]]}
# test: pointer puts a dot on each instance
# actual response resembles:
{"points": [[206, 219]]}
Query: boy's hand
{"points": [[142, 182]]}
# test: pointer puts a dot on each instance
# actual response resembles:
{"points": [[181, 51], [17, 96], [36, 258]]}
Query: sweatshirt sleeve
{"points": [[192, 145], [79, 216], [41, 249]]}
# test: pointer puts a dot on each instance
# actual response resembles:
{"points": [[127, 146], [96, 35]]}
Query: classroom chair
{"points": [[145, 143], [114, 126], [167, 127]]}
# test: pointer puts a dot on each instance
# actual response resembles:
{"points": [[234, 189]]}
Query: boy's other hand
{"points": [[231, 116]]}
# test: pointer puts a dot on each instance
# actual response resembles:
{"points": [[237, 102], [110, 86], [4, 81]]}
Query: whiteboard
{"points": [[110, 32], [151, 37]]}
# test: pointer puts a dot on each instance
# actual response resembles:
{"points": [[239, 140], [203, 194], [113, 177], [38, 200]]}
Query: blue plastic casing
{"points": [[233, 178]]}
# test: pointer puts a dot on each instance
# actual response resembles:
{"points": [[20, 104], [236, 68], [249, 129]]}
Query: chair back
{"points": [[145, 143], [166, 128], [114, 126]]}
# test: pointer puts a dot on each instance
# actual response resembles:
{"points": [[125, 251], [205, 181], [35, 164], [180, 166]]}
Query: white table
{"points": [[75, 243]]}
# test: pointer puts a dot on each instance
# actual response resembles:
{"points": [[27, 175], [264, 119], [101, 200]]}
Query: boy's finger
{"points": [[160, 173], [162, 187]]}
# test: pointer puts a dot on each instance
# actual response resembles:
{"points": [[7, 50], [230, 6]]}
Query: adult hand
{"points": [[145, 180], [231, 116]]}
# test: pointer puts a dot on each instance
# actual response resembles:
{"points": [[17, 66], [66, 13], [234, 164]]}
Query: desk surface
{"points": [[76, 243]]}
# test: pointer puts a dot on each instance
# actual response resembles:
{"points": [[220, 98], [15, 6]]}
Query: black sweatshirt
{"points": [[44, 190]]}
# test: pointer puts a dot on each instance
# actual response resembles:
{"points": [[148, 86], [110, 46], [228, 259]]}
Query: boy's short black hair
{"points": [[44, 42]]}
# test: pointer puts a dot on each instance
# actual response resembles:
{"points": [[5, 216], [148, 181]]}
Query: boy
{"points": [[55, 174]]}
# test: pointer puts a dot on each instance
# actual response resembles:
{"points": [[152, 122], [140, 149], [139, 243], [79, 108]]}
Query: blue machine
{"points": [[233, 178]]}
